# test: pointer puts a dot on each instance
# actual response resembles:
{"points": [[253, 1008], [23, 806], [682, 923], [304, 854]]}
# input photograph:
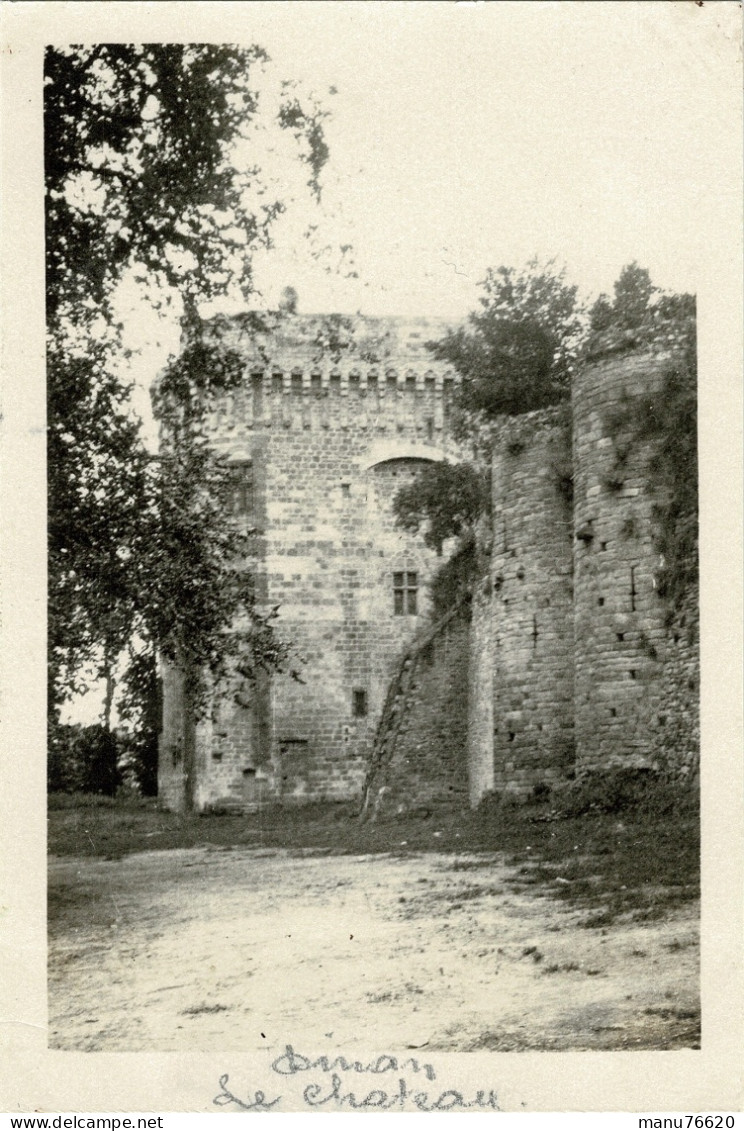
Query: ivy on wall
{"points": [[670, 419], [642, 318]]}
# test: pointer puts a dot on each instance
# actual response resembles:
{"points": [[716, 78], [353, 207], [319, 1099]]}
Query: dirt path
{"points": [[203, 948]]}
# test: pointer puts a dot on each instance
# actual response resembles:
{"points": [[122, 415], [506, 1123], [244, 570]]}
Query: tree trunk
{"points": [[109, 769], [189, 740]]}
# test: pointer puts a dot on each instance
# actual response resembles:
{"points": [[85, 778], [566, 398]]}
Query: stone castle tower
{"points": [[576, 663], [565, 659], [330, 420]]}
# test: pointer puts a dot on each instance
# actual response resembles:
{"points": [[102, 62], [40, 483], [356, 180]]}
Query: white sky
{"points": [[467, 135]]}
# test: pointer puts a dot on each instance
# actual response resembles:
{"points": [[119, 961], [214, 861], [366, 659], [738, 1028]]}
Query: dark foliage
{"points": [[515, 356], [445, 500], [633, 291], [83, 759], [621, 789], [141, 184], [517, 353], [97, 477], [138, 167], [675, 469], [141, 707], [454, 580]]}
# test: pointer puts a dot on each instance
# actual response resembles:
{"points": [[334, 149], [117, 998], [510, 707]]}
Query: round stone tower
{"points": [[520, 732], [621, 637]]}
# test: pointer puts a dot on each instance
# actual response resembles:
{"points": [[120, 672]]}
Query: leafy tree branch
{"points": [[149, 177], [517, 353]]}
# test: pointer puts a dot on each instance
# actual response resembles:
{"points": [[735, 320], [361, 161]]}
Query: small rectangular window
{"points": [[359, 703], [405, 593]]}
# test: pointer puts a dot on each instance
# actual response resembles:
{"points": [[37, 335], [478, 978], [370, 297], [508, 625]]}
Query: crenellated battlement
{"points": [[364, 401], [327, 380], [367, 375]]}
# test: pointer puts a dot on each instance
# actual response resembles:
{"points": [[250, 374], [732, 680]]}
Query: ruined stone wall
{"points": [[576, 661], [636, 678], [676, 727], [214, 761], [427, 767], [520, 730], [326, 444]]}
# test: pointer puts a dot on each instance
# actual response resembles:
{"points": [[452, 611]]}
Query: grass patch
{"points": [[634, 862], [677, 1014], [624, 844], [71, 801], [533, 953]]}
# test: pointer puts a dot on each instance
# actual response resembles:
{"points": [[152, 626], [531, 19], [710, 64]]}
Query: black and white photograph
{"points": [[377, 409]]}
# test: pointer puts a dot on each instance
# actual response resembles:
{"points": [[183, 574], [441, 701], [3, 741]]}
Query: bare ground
{"points": [[235, 948]]}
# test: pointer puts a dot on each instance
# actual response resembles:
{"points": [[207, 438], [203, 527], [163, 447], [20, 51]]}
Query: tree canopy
{"points": [[145, 181], [139, 148], [516, 353], [631, 304], [445, 500]]}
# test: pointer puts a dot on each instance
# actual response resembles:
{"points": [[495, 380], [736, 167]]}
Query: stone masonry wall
{"points": [[481, 778], [676, 727], [326, 443], [171, 765], [595, 662], [568, 660], [531, 602], [213, 762], [428, 769], [628, 664]]}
